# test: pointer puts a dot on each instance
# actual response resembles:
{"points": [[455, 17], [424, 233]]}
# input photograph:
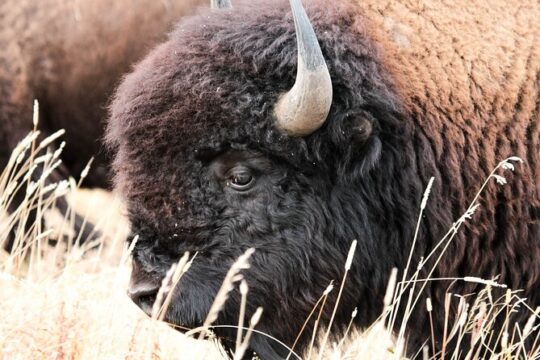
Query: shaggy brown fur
{"points": [[70, 55], [468, 75], [419, 91]]}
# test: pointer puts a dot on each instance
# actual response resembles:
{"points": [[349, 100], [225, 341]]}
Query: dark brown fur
{"points": [[418, 92]]}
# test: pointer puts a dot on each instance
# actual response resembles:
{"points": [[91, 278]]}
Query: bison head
{"points": [[209, 162]]}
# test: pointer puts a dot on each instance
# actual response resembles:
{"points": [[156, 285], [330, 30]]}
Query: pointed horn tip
{"points": [[305, 107]]}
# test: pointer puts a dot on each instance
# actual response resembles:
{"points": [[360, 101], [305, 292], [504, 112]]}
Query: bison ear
{"points": [[365, 144], [356, 129], [220, 4], [355, 134], [361, 131]]}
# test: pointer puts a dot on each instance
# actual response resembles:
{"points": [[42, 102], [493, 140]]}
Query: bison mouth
{"points": [[146, 294], [188, 303], [144, 298]]}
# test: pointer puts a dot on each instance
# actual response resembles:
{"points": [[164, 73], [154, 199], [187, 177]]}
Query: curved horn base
{"points": [[305, 107]]}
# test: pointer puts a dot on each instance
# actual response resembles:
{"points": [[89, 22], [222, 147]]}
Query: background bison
{"points": [[70, 56], [208, 162]]}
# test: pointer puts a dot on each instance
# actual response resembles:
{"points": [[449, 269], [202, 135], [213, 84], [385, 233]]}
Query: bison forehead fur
{"points": [[200, 106]]}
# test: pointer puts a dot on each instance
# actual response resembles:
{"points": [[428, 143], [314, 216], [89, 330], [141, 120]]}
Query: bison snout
{"points": [[144, 295], [143, 289]]}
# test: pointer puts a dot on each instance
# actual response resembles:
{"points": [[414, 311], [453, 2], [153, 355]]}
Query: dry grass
{"points": [[73, 304], [69, 302], [83, 314]]}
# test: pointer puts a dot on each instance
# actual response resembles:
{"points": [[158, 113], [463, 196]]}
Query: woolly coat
{"points": [[70, 56], [468, 76], [461, 78], [420, 90]]}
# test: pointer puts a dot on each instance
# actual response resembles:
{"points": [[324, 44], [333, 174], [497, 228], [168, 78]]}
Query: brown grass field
{"points": [[69, 302], [72, 304]]}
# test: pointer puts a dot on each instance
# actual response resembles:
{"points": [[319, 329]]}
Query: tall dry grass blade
{"points": [[233, 276], [348, 329], [425, 353], [239, 354], [390, 288], [317, 321], [169, 282], [348, 264], [423, 206], [530, 323], [243, 301], [429, 308], [327, 291], [164, 289]]}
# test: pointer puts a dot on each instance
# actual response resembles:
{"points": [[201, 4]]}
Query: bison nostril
{"points": [[144, 297]]}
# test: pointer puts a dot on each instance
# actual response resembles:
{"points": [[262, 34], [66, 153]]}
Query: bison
{"points": [[70, 56], [254, 127], [260, 127]]}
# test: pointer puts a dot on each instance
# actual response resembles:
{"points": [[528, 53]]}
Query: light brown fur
{"points": [[468, 74], [70, 55], [468, 71]]}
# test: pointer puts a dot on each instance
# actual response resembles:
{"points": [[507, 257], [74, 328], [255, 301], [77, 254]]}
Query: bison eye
{"points": [[240, 179]]}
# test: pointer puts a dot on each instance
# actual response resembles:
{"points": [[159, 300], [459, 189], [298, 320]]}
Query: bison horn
{"points": [[305, 107], [220, 4]]}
